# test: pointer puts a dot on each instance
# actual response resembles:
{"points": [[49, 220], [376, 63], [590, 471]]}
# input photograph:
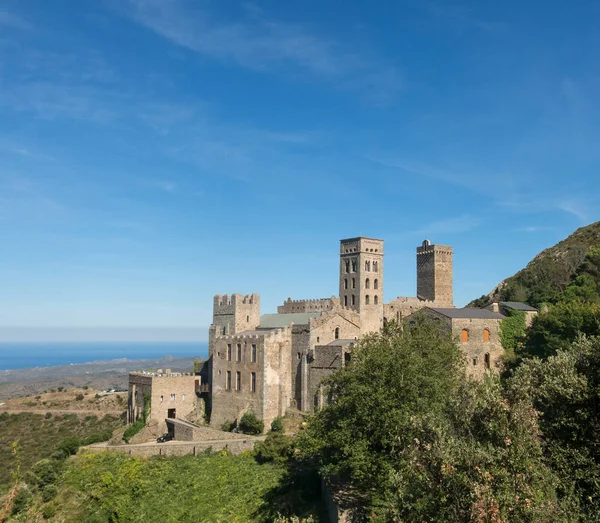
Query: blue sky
{"points": [[156, 152]]}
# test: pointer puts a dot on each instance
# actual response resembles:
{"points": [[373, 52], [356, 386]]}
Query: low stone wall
{"points": [[235, 446]]}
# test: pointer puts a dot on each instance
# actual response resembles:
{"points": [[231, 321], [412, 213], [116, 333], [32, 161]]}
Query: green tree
{"points": [[423, 443], [565, 390], [512, 330], [397, 385], [560, 326]]}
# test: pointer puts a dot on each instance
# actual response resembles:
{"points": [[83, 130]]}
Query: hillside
{"points": [[42, 423], [551, 272]]}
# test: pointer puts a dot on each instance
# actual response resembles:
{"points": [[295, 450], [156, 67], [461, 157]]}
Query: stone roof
{"points": [[340, 343], [274, 321], [468, 312], [518, 306]]}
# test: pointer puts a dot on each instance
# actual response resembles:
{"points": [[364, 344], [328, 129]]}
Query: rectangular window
{"points": [[229, 351], [238, 380], [254, 353], [253, 382], [239, 352], [228, 382]]}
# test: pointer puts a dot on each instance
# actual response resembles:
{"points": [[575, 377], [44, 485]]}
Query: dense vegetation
{"points": [[40, 436], [569, 270], [211, 487]]}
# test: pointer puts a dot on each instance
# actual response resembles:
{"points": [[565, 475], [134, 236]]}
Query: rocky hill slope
{"points": [[550, 273]]}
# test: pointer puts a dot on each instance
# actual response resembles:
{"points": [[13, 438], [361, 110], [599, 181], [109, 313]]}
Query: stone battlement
{"points": [[267, 333], [310, 305], [161, 374], [224, 300]]}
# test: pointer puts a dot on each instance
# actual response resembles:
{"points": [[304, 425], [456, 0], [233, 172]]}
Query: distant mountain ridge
{"points": [[550, 273]]}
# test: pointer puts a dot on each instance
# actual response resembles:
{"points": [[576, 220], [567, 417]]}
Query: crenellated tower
{"points": [[361, 280], [236, 312], [434, 274]]}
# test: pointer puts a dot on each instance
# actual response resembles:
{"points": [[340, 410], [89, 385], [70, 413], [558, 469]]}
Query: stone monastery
{"points": [[269, 363]]}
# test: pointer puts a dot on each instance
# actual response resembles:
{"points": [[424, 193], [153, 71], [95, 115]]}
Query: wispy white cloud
{"points": [[457, 224], [11, 20], [260, 43], [461, 16], [164, 185], [576, 208], [535, 228]]}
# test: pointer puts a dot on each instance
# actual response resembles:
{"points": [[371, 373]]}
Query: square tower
{"points": [[434, 274], [361, 280]]}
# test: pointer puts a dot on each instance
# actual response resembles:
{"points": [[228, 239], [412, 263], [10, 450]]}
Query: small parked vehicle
{"points": [[164, 438]]}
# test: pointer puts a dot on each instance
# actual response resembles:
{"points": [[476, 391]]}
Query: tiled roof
{"points": [[274, 321], [518, 306], [468, 312]]}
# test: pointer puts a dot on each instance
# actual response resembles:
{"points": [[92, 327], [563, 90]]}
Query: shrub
{"points": [[97, 396], [60, 389], [86, 387], [69, 446], [250, 424], [4, 416], [21, 501], [277, 447], [45, 472], [277, 425], [49, 511], [49, 493], [79, 397], [38, 398], [98, 437], [227, 426]]}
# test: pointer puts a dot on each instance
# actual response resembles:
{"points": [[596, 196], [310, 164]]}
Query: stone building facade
{"points": [[172, 395], [478, 335], [268, 363]]}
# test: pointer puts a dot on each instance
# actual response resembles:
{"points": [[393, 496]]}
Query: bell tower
{"points": [[361, 280], [434, 274]]}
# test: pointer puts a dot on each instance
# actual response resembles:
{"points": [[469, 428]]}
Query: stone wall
{"points": [[480, 355], [272, 370], [146, 450], [323, 331], [403, 307], [167, 391], [323, 360], [316, 305]]}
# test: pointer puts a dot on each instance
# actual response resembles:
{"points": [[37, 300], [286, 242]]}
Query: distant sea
{"points": [[19, 355]]}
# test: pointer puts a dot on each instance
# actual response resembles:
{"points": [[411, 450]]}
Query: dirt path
{"points": [[62, 411]]}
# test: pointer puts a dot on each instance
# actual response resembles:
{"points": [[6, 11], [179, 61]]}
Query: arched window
{"points": [[376, 283], [367, 265], [367, 284], [367, 299], [345, 301], [224, 330], [486, 360], [353, 265], [464, 335], [486, 334], [345, 283], [353, 300], [354, 283], [375, 266], [337, 333], [347, 267], [375, 299]]}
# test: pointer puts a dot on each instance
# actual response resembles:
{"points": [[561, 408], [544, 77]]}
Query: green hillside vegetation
{"points": [[408, 436], [569, 270], [212, 487], [39, 436]]}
